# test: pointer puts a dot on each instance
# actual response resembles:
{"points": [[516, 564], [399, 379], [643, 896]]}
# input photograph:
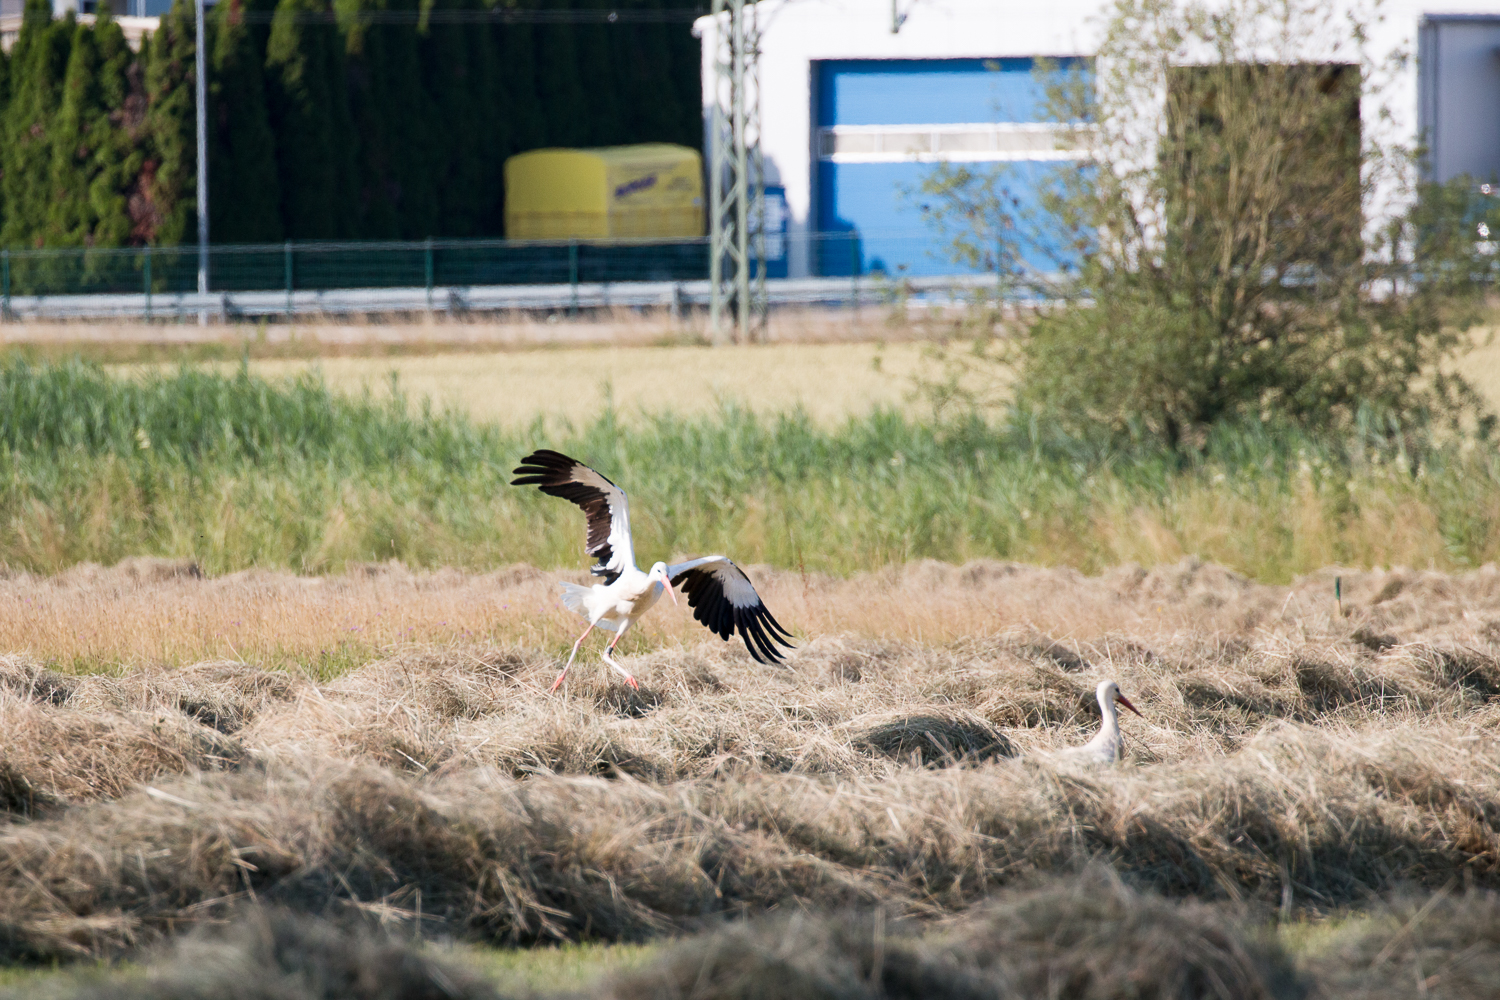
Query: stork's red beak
{"points": [[672, 591], [1126, 702]]}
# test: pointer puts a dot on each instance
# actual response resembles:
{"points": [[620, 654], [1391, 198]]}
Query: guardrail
{"points": [[670, 295]]}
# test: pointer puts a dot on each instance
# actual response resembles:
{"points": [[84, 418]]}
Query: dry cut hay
{"points": [[1094, 938], [1289, 755], [850, 956], [1302, 817], [269, 954], [150, 612], [67, 738], [1089, 938], [1443, 946], [936, 739]]}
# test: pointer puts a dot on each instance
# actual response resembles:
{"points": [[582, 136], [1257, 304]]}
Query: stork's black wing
{"points": [[723, 599], [604, 506]]}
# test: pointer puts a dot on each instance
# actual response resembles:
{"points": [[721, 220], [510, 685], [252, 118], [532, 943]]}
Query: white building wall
{"points": [[795, 33]]}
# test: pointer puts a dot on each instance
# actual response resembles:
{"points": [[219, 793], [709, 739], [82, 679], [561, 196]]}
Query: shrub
{"points": [[1240, 271]]}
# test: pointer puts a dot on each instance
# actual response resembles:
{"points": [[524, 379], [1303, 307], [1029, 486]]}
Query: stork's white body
{"points": [[721, 595], [1106, 745], [614, 606]]}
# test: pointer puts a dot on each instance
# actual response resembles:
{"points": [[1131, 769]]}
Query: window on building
{"points": [[1265, 153]]}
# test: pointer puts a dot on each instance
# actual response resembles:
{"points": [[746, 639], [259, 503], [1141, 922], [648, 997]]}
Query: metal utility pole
{"points": [[737, 184], [201, 81]]}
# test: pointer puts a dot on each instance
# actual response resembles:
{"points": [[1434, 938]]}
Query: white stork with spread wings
{"points": [[720, 594]]}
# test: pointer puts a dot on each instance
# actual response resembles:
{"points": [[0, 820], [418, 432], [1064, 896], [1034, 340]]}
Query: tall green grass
{"points": [[235, 471]]}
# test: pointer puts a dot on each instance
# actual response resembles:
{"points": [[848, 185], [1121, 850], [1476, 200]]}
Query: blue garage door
{"points": [[884, 124]]}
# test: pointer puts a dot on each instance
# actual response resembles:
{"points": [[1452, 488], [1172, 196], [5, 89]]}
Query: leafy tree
{"points": [[1220, 258]]}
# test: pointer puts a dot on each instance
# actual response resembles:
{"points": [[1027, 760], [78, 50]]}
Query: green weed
{"points": [[234, 471]]}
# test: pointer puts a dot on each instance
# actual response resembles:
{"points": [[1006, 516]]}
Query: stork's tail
{"points": [[572, 598]]}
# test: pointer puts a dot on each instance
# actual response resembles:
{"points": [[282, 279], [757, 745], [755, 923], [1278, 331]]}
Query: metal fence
{"points": [[294, 267], [445, 275]]}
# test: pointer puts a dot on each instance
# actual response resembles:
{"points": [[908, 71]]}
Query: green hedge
{"points": [[319, 129]]}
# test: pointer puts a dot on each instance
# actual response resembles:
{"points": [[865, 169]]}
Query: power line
{"points": [[674, 15]]}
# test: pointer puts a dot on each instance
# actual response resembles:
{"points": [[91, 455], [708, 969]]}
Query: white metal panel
{"points": [[1459, 108]]}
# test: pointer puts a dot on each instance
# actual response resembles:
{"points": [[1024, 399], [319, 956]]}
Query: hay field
{"points": [[510, 370], [1293, 762], [831, 382], [512, 382]]}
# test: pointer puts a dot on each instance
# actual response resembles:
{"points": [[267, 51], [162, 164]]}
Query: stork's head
{"points": [[659, 574], [1109, 692]]}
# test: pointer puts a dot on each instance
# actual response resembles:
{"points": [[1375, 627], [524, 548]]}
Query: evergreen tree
{"points": [[317, 130], [462, 80], [517, 92], [244, 193], [400, 141], [308, 99], [600, 80], [69, 218], [686, 74], [170, 175], [4, 103], [642, 59], [95, 153], [39, 61], [567, 114]]}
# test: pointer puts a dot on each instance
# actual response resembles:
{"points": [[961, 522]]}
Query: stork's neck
{"points": [[640, 581], [1110, 727]]}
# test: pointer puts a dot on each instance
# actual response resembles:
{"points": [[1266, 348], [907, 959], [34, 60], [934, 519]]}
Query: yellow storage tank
{"points": [[652, 190]]}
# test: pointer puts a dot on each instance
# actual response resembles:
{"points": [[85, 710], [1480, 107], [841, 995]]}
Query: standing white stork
{"points": [[1105, 747], [720, 594]]}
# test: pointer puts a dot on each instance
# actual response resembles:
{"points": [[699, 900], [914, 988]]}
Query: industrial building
{"points": [[859, 98], [119, 8]]}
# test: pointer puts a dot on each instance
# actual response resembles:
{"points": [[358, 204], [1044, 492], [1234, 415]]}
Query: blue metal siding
{"points": [[878, 203], [878, 206], [927, 91]]}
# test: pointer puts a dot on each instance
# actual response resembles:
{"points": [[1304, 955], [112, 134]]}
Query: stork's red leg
{"points": [[570, 658], [611, 660]]}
